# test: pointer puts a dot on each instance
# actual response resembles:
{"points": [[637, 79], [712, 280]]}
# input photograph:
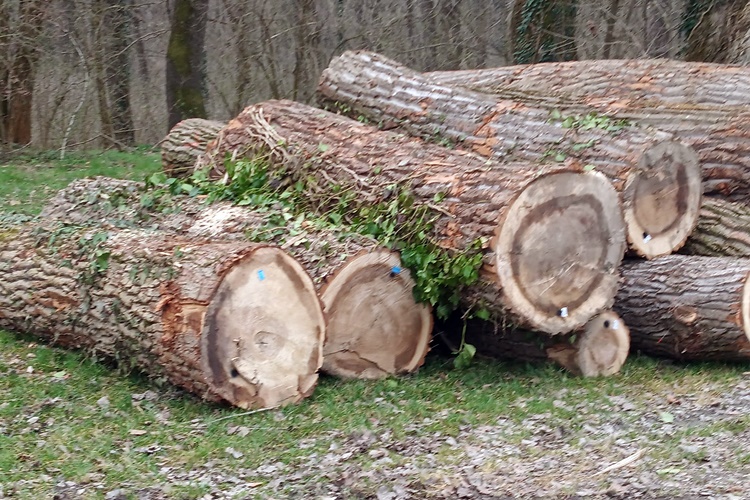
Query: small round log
{"points": [[599, 349], [185, 144], [687, 307], [232, 321], [375, 328], [650, 168]]}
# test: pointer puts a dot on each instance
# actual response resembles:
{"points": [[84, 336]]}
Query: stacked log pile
{"points": [[546, 173]]}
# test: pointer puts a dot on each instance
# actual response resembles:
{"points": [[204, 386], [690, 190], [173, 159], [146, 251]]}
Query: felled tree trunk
{"points": [[723, 230], [600, 348], [374, 329], [185, 144], [559, 242], [720, 135], [659, 179], [687, 307], [230, 321], [633, 82]]}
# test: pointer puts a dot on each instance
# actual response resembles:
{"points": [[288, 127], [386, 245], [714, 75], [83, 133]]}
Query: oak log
{"points": [[659, 178], [687, 307], [232, 321]]}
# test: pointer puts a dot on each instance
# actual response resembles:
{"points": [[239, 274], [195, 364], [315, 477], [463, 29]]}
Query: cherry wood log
{"points": [[659, 178], [232, 321], [633, 82], [723, 230], [687, 307], [186, 144], [375, 328], [599, 349], [558, 248], [720, 135]]}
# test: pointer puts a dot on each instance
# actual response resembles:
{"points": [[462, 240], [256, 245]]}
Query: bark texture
{"points": [[720, 135], [185, 144], [328, 150], [179, 308], [723, 230], [634, 82], [687, 307], [646, 166], [374, 326]]}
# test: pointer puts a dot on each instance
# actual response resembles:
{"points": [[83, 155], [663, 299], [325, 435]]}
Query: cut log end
{"points": [[185, 144], [375, 327], [263, 333], [558, 288], [604, 346], [662, 200]]}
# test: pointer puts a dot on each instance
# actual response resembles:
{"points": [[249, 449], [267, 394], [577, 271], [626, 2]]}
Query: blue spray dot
{"points": [[395, 270], [261, 275]]}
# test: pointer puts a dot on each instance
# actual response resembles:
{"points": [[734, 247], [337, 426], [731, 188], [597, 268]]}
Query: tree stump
{"points": [[375, 328], [185, 144], [687, 307], [659, 178], [632, 82], [723, 230], [576, 214], [232, 321]]}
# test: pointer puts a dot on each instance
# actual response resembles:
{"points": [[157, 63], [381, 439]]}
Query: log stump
{"points": [[687, 307], [658, 177], [232, 321], [577, 214], [375, 328], [185, 145]]}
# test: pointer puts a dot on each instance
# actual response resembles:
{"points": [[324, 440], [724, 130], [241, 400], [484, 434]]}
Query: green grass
{"points": [[54, 424], [26, 182]]}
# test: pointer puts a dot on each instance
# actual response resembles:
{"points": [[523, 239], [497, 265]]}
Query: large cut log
{"points": [[185, 145], [659, 179], [559, 244], [633, 82], [720, 135], [374, 329], [687, 307], [723, 230], [599, 349], [230, 321]]}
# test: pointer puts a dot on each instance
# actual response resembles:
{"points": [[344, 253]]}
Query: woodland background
{"points": [[115, 73]]}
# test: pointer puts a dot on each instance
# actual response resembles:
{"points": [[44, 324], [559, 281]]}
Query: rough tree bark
{"points": [[633, 82], [687, 307], [230, 321], [559, 243], [374, 326], [600, 348], [720, 135], [723, 230], [185, 144], [658, 178]]}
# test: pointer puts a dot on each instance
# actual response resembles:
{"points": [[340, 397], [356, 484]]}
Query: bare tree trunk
{"points": [[186, 61], [708, 28], [118, 71]]}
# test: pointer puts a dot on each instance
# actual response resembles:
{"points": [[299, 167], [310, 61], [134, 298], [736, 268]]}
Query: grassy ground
{"points": [[66, 418], [28, 180], [76, 428]]}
